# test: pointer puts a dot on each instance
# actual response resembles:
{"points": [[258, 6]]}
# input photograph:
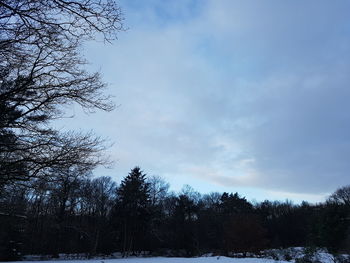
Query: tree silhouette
{"points": [[133, 209], [41, 71]]}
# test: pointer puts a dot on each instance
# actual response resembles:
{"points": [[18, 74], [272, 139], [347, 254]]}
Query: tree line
{"points": [[80, 214]]}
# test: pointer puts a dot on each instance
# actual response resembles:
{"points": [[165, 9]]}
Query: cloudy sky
{"points": [[247, 96]]}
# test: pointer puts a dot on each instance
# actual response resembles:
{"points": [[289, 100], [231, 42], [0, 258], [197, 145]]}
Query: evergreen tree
{"points": [[133, 209], [185, 224]]}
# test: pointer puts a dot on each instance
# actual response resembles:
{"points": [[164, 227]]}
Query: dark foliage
{"points": [[132, 212], [76, 214]]}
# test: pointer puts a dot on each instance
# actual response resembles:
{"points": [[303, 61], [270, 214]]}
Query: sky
{"points": [[237, 96]]}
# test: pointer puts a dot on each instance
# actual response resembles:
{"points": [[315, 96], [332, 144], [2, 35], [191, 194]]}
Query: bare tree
{"points": [[158, 189], [41, 71], [341, 196]]}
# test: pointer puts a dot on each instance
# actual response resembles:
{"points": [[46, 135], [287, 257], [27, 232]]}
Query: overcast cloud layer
{"points": [[247, 96]]}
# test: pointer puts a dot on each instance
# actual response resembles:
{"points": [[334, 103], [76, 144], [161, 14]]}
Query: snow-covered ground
{"points": [[169, 260], [291, 255]]}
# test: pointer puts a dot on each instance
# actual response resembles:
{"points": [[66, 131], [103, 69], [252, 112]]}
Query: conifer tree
{"points": [[133, 208]]}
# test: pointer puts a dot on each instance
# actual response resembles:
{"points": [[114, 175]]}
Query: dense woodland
{"points": [[80, 214], [49, 201]]}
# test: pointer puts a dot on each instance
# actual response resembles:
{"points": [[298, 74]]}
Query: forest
{"points": [[80, 214]]}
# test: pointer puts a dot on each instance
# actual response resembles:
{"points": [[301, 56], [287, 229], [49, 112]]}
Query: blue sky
{"points": [[247, 96]]}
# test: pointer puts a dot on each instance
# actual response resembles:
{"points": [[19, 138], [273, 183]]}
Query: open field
{"points": [[169, 260]]}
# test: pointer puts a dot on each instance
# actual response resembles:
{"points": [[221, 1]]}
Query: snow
{"points": [[267, 256], [169, 260]]}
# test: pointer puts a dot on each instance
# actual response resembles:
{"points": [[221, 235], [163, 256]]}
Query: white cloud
{"points": [[240, 94]]}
